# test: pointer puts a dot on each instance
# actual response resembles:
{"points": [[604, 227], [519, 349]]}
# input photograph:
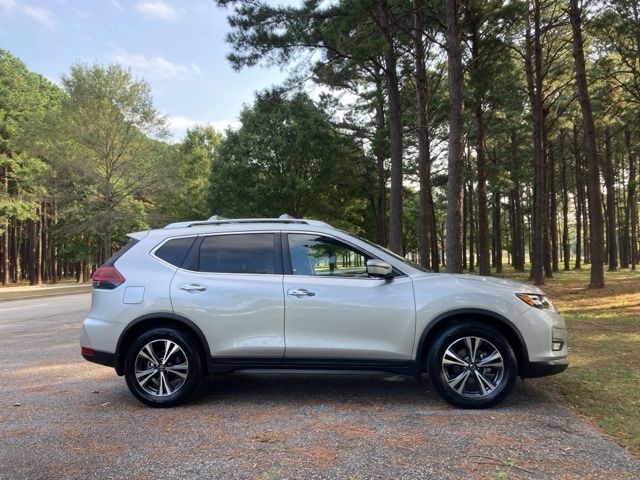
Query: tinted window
{"points": [[325, 256], [114, 258], [243, 253], [174, 251]]}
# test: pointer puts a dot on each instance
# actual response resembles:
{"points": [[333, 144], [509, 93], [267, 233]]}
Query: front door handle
{"points": [[301, 292], [193, 287]]}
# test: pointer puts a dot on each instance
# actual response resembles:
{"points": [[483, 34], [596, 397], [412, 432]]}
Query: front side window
{"points": [[325, 256], [241, 253]]}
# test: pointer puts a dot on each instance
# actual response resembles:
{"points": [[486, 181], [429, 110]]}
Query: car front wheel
{"points": [[472, 365], [162, 367]]}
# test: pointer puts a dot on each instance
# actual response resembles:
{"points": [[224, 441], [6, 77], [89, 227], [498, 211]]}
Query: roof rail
{"points": [[217, 220]]}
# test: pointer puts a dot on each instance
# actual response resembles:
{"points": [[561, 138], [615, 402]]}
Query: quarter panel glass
{"points": [[173, 251]]}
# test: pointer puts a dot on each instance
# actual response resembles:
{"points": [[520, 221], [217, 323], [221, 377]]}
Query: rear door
{"points": [[230, 285], [335, 311]]}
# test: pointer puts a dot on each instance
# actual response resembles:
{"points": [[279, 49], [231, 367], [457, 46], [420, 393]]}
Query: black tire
{"points": [[474, 379], [169, 377]]}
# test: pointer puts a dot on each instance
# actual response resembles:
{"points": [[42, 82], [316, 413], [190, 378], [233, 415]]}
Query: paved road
{"points": [[78, 420]]}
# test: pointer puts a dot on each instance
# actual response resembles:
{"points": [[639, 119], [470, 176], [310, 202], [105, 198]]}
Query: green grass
{"points": [[603, 380], [37, 291]]}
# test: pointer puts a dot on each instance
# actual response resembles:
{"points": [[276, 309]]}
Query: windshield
{"points": [[400, 258]]}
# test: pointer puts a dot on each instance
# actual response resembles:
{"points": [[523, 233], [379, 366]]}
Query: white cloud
{"points": [[182, 123], [158, 67], [82, 13], [7, 5], [179, 124], [157, 9], [39, 15]]}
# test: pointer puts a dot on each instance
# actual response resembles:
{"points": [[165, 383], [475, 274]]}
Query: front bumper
{"points": [[543, 369]]}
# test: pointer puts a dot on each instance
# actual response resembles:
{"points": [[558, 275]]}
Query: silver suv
{"points": [[223, 295]]}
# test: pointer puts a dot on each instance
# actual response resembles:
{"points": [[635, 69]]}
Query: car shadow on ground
{"points": [[311, 388]]}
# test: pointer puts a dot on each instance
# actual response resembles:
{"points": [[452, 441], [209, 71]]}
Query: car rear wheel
{"points": [[162, 367], [472, 365]]}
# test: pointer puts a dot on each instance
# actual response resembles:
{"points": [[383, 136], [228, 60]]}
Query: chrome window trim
{"points": [[286, 232]]}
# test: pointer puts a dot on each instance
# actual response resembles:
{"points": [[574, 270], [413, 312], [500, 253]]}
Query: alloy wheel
{"points": [[473, 367], [161, 368]]}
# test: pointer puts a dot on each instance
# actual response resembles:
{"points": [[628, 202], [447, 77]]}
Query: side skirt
{"points": [[220, 365]]}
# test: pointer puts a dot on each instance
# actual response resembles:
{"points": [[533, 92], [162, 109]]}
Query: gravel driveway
{"points": [[78, 420]]}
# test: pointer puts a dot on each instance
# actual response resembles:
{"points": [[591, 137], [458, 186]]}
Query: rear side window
{"points": [[243, 253], [174, 251], [114, 258]]}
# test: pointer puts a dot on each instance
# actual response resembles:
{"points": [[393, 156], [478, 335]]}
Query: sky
{"points": [[179, 47]]}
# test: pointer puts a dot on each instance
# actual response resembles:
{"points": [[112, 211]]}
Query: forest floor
{"points": [[603, 379]]}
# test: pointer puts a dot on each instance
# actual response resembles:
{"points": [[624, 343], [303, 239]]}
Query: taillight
{"points": [[107, 278]]}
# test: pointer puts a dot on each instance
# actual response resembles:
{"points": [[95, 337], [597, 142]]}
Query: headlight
{"points": [[535, 300]]}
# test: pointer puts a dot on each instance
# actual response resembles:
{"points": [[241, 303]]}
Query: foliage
{"points": [[24, 96], [187, 194], [286, 158], [99, 141]]}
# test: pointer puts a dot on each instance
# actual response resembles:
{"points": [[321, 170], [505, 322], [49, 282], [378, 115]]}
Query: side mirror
{"points": [[378, 268]]}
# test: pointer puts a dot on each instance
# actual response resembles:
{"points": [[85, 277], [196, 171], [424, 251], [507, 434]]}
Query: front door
{"points": [[234, 294], [334, 310]]}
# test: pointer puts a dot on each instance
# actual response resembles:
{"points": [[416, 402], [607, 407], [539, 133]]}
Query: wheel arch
{"points": [[158, 320], [499, 322]]}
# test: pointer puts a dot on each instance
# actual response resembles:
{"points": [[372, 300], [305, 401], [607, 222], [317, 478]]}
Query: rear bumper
{"points": [[102, 358], [543, 369]]}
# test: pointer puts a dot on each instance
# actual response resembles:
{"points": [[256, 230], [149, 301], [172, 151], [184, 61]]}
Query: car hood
{"points": [[502, 283]]}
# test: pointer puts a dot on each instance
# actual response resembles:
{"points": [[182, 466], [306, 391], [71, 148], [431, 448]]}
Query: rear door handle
{"points": [[192, 287], [301, 292]]}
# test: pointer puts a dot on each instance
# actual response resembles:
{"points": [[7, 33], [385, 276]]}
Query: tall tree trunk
{"points": [[497, 230], [553, 209], [512, 229], [632, 204], [546, 221], [424, 154], [609, 178], [54, 220], [518, 220], [578, 197], [31, 257], [381, 155], [472, 255], [593, 179], [465, 229], [624, 236], [456, 125], [533, 68], [38, 250], [435, 255], [5, 233], [497, 220], [484, 262], [395, 130], [566, 251]]}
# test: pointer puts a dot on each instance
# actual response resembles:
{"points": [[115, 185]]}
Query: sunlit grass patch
{"points": [[603, 380]]}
